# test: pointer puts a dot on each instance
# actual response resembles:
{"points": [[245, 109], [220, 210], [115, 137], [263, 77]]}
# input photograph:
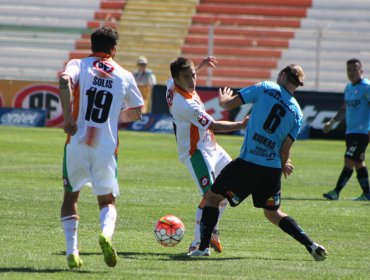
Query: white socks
{"points": [[198, 217], [70, 225], [108, 216]]}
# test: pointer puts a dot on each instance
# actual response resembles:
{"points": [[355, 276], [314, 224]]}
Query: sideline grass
{"points": [[153, 183]]}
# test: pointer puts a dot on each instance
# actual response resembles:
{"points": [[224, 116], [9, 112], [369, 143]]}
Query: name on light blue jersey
{"points": [[275, 116], [357, 98]]}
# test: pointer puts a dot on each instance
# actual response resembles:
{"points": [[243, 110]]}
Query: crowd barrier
{"points": [[317, 107]]}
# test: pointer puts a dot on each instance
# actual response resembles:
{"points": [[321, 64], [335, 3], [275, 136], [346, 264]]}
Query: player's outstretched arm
{"points": [[130, 115], [226, 126], [337, 118]]}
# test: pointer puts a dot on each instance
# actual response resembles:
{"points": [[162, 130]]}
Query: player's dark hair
{"points": [[104, 39], [354, 61], [181, 63]]}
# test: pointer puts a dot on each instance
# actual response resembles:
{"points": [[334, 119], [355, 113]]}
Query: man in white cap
{"points": [[145, 80]]}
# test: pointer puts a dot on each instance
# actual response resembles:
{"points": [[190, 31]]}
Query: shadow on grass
{"points": [[324, 200], [155, 256], [177, 257], [169, 257], [305, 199], [39, 270]]}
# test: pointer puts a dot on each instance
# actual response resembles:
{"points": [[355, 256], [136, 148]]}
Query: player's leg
{"points": [[361, 169], [69, 220], [202, 173], [268, 196], [363, 179], [209, 219], [290, 226], [220, 160], [105, 187], [198, 215], [108, 217], [75, 175], [347, 171], [232, 175]]}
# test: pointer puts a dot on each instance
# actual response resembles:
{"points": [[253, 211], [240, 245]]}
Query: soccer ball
{"points": [[169, 230]]}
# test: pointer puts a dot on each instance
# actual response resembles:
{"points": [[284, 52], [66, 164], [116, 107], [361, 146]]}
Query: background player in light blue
{"points": [[271, 131], [356, 110]]}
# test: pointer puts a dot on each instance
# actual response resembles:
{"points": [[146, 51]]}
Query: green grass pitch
{"points": [[154, 183]]}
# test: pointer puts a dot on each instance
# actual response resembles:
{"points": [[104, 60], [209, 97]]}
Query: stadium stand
{"points": [[37, 36], [253, 39], [155, 29], [332, 32], [249, 37]]}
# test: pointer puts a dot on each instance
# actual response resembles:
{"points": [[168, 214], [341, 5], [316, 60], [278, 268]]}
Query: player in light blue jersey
{"points": [[273, 105], [356, 110], [271, 131]]}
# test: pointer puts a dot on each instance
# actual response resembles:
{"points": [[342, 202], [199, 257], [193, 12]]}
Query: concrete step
{"points": [[48, 12], [36, 53], [56, 43], [41, 22], [10, 73], [92, 4]]}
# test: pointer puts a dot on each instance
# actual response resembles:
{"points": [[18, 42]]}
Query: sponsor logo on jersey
{"points": [[273, 201], [204, 181], [66, 183], [169, 97], [233, 197], [203, 120], [44, 97], [104, 68], [353, 103]]}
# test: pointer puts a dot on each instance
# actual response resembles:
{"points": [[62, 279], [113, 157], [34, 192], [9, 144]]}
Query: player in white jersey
{"points": [[93, 93], [197, 147]]}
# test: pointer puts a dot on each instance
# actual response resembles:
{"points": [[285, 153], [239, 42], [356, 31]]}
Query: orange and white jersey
{"points": [[101, 88], [191, 121]]}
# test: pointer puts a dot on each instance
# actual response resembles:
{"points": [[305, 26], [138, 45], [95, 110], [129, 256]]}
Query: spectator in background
{"points": [[356, 110], [145, 80]]}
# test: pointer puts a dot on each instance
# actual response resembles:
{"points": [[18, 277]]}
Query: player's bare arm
{"points": [[286, 163], [226, 126], [65, 91], [337, 118], [130, 115], [228, 100]]}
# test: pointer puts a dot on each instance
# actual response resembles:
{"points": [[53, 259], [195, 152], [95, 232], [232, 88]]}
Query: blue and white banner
{"points": [[22, 117], [317, 108], [153, 123]]}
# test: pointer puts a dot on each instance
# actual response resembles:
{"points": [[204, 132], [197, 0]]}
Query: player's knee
{"points": [[274, 216], [106, 200], [213, 199]]}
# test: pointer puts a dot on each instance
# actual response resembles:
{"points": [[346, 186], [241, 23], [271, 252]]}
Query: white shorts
{"points": [[85, 165], [205, 165]]}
